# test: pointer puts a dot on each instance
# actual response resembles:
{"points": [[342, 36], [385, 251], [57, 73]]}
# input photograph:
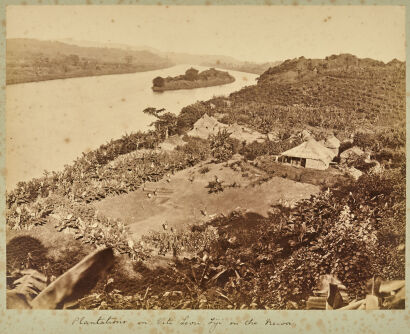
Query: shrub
{"points": [[384, 155], [196, 149], [215, 187], [204, 170], [253, 150], [362, 165], [222, 146], [364, 140]]}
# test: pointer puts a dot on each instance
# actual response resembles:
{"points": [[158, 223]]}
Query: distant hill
{"points": [[343, 88], [94, 44], [36, 60], [249, 67], [219, 61]]}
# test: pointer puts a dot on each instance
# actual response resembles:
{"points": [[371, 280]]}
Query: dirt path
{"points": [[185, 199]]}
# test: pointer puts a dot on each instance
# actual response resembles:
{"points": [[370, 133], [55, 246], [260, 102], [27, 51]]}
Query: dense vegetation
{"points": [[248, 261], [34, 60], [343, 94], [355, 229], [193, 79]]}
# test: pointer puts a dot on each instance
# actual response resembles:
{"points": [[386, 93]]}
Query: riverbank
{"points": [[99, 108], [27, 76], [32, 60]]}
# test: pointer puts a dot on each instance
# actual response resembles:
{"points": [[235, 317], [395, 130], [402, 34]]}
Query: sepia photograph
{"points": [[172, 157]]}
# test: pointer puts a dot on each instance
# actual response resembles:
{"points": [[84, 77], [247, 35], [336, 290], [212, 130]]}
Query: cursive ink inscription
{"points": [[100, 321], [269, 322], [213, 323]]}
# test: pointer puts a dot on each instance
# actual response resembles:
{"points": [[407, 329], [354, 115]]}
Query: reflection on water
{"points": [[50, 123]]}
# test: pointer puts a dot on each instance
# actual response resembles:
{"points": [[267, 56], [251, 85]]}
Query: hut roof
{"points": [[310, 149], [208, 125], [205, 126], [207, 121], [351, 151], [332, 142], [305, 134]]}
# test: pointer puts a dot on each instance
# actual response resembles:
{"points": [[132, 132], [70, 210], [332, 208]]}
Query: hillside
{"points": [[35, 60], [256, 239], [342, 94], [352, 91]]}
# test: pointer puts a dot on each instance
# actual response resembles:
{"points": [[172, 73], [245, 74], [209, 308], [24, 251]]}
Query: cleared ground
{"points": [[183, 198]]}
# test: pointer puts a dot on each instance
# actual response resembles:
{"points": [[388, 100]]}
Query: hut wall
{"points": [[316, 164]]}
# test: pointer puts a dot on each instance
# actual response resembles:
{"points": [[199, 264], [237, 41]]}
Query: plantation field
{"points": [[217, 223], [180, 201]]}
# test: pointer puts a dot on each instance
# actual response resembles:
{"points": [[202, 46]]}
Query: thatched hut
{"points": [[309, 154], [205, 126]]}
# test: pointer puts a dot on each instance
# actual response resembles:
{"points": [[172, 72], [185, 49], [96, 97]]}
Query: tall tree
{"points": [[165, 124], [266, 124]]}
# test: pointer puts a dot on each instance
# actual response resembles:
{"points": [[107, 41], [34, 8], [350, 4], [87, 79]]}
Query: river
{"points": [[50, 123]]}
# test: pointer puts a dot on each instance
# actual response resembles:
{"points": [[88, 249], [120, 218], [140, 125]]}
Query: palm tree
{"points": [[266, 124]]}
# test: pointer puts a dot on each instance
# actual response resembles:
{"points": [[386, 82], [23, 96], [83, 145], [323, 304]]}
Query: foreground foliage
{"points": [[353, 232]]}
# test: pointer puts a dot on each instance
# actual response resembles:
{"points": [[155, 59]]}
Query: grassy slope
{"points": [[161, 207], [179, 201]]}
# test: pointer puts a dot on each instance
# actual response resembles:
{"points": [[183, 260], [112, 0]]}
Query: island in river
{"points": [[193, 79]]}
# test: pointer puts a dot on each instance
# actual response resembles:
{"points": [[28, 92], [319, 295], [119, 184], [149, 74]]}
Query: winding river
{"points": [[49, 123]]}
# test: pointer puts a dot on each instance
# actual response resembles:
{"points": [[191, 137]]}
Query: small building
{"points": [[208, 125], [351, 155], [309, 154], [205, 126]]}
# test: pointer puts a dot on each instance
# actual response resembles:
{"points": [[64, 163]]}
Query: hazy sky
{"points": [[254, 33]]}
